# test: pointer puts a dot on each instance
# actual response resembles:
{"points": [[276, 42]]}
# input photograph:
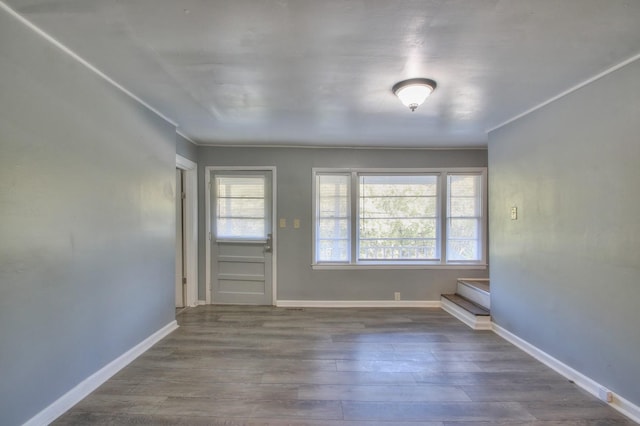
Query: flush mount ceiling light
{"points": [[413, 92]]}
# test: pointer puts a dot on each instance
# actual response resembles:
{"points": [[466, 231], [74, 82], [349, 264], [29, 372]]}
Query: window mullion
{"points": [[354, 202], [443, 209]]}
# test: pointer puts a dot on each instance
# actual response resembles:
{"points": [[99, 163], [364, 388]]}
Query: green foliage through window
{"points": [[399, 217]]}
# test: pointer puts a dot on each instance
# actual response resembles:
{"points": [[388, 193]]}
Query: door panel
{"points": [[241, 207]]}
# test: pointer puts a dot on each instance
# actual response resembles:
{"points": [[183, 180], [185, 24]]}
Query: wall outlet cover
{"points": [[514, 213]]}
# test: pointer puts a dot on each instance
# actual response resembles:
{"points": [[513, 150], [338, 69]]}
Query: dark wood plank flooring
{"points": [[232, 365]]}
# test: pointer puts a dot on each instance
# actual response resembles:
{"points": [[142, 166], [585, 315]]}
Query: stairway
{"points": [[471, 303]]}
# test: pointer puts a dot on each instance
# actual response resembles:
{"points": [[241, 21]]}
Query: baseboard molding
{"points": [[201, 302], [618, 403], [91, 383], [475, 322], [358, 303]]}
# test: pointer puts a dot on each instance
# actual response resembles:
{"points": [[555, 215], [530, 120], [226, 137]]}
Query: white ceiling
{"points": [[319, 72]]}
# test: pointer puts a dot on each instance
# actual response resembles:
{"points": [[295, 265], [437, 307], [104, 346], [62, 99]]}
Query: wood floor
{"points": [[230, 365]]}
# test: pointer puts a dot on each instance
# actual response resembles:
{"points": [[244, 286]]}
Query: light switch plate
{"points": [[514, 213], [296, 223], [283, 222]]}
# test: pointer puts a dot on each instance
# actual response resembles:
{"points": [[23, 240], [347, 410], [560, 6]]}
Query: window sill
{"points": [[336, 266]]}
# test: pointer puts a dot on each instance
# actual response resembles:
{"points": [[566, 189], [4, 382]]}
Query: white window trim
{"points": [[314, 206], [354, 264], [484, 207]]}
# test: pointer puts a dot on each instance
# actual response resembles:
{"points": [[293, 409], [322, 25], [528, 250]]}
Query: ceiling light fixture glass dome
{"points": [[413, 92]]}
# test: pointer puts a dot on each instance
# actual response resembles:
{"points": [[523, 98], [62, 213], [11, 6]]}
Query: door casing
{"points": [[274, 196], [190, 218], [180, 257]]}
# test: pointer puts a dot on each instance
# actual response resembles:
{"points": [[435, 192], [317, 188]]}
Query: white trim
{"points": [[440, 171], [184, 163], [207, 237], [181, 133], [440, 261], [335, 266], [91, 383], [191, 228], [274, 236], [357, 147], [568, 91], [88, 65], [473, 321], [274, 227], [358, 303], [201, 302], [618, 403]]}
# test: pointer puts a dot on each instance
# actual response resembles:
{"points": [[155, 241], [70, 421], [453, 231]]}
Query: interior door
{"points": [[242, 243]]}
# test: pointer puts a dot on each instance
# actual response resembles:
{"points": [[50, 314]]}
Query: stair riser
{"points": [[478, 296], [473, 321]]}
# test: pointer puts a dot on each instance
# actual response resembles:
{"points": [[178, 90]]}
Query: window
{"points": [[394, 217], [333, 220], [398, 217], [240, 207], [464, 217]]}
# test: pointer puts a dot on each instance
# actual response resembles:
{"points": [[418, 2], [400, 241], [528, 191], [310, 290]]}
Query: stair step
{"points": [[476, 291], [482, 285], [467, 304]]}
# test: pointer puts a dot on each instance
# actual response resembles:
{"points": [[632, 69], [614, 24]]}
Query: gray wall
{"points": [[296, 279], [86, 223], [186, 149], [564, 276]]}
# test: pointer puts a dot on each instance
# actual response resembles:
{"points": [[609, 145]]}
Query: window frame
{"points": [[314, 221], [442, 217], [482, 240], [356, 221], [269, 212]]}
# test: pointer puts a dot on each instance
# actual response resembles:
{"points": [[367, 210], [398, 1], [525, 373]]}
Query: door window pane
{"points": [[240, 207]]}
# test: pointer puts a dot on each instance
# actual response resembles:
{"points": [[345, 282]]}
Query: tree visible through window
{"points": [[399, 217]]}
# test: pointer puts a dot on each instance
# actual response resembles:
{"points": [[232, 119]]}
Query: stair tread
{"points": [[467, 304]]}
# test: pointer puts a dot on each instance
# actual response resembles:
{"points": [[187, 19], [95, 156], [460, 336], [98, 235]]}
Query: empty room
{"points": [[304, 212]]}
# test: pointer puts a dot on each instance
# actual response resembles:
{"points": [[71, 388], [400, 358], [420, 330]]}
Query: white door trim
{"points": [[274, 195], [190, 228]]}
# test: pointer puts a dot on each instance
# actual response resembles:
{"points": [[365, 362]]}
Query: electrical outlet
{"points": [[283, 222], [396, 295], [296, 223]]}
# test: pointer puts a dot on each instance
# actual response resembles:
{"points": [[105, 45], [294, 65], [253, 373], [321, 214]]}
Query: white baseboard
{"points": [[91, 383], [201, 302], [475, 322], [358, 303], [618, 403]]}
